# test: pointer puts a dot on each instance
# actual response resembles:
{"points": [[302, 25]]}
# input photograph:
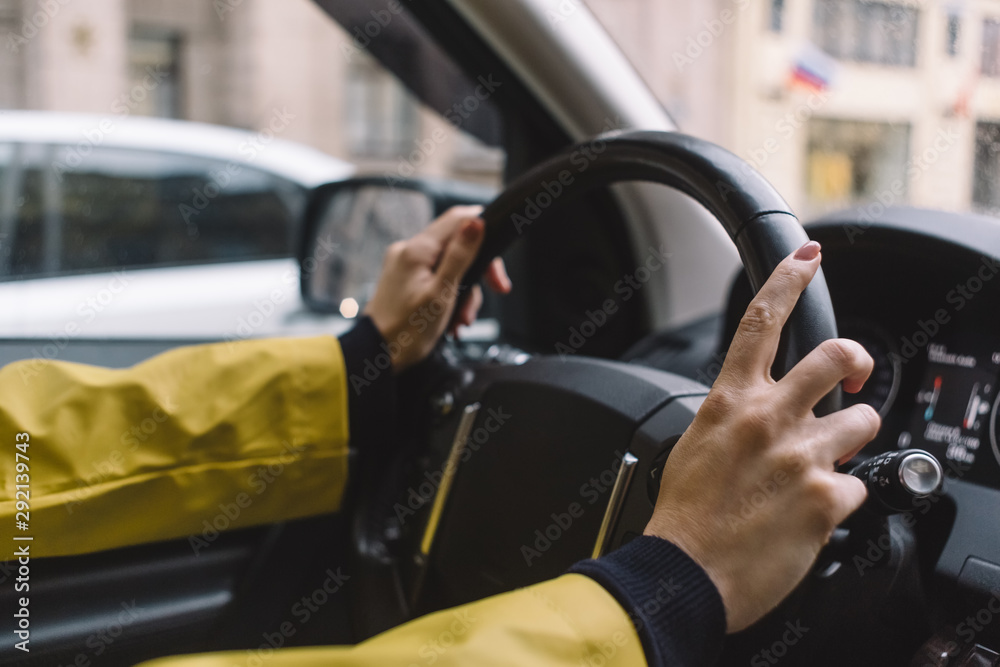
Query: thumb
{"points": [[460, 251]]}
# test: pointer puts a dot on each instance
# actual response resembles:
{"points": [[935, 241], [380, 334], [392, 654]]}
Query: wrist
{"points": [[404, 347], [690, 546], [675, 606], [395, 339], [371, 383]]}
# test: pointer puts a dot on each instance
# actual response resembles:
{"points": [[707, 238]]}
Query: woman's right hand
{"points": [[749, 491]]}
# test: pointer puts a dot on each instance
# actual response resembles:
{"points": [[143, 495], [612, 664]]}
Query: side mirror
{"points": [[349, 224]]}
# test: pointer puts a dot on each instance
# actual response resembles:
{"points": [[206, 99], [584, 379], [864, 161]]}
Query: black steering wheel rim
{"points": [[754, 214]]}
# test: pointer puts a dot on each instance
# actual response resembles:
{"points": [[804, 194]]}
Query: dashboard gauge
{"points": [[955, 406], [883, 385]]}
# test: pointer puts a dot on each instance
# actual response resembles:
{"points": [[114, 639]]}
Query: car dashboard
{"points": [[930, 318], [926, 306]]}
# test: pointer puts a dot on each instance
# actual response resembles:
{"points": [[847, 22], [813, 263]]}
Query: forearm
{"points": [[153, 452], [664, 611], [566, 622]]}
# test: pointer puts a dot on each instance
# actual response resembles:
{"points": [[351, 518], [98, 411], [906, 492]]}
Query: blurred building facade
{"points": [[228, 62], [835, 101]]}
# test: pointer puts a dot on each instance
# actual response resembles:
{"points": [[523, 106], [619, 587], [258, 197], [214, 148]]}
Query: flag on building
{"points": [[813, 70]]}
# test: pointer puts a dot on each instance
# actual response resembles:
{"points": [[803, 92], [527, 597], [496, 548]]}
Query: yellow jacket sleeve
{"points": [[569, 621], [194, 440]]}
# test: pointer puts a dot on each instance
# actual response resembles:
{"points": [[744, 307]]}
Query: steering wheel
{"points": [[537, 465], [757, 218]]}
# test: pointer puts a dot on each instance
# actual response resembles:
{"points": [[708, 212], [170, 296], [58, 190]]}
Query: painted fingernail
{"points": [[472, 230], [808, 252]]}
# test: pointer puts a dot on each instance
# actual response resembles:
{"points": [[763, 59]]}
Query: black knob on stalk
{"points": [[896, 479]]}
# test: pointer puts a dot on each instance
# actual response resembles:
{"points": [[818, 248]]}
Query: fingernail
{"points": [[808, 252], [472, 230]]}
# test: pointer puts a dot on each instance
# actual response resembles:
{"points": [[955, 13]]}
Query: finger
{"points": [[849, 493], [470, 307], [467, 311], [449, 222], [821, 370], [756, 341], [421, 251], [459, 253], [845, 433], [496, 277]]}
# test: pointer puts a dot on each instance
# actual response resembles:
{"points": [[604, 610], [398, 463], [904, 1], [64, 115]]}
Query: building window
{"points": [[154, 74], [986, 180], [954, 29], [991, 47], [853, 161], [870, 32], [383, 120], [777, 15]]}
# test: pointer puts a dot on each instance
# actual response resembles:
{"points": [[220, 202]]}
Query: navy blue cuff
{"points": [[675, 607], [371, 388]]}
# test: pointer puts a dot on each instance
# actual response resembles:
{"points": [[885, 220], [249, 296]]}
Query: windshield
{"points": [[839, 103], [118, 142]]}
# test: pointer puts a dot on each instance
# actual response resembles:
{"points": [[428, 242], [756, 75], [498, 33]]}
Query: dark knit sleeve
{"points": [[371, 386], [675, 607]]}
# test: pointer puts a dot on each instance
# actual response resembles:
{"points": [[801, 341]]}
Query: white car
{"points": [[139, 227]]}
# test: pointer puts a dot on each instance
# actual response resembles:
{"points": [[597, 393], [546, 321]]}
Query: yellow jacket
{"points": [[149, 453]]}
